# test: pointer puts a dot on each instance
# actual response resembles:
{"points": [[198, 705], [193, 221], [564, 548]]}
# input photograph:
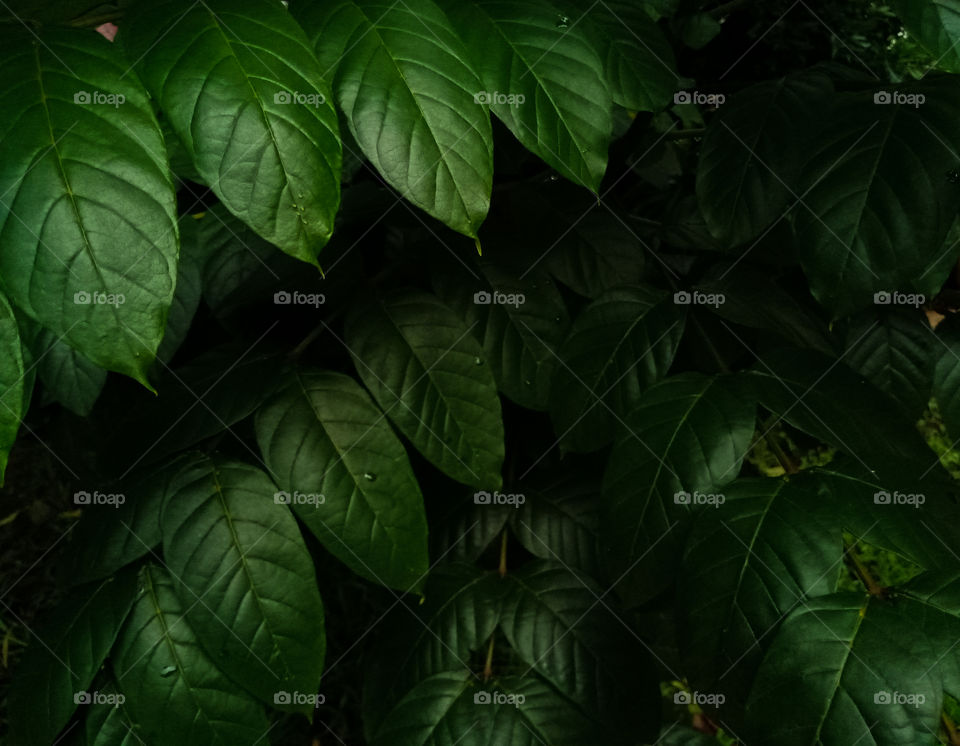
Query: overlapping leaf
{"points": [[406, 89], [88, 233], [244, 92], [431, 378]]}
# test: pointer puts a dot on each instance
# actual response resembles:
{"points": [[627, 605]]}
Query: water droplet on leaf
{"points": [[169, 670], [370, 477]]}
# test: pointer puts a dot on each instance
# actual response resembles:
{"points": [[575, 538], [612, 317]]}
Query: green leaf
{"points": [[638, 61], [108, 723], [244, 92], [14, 395], [527, 49], [186, 299], [946, 376], [64, 657], [468, 529], [67, 376], [618, 346], [402, 80], [895, 352], [106, 540], [876, 213], [936, 25], [751, 161], [559, 624], [431, 378], [520, 319], [325, 441], [88, 232], [748, 563], [823, 397], [687, 436], [174, 691], [559, 520], [447, 710], [245, 577], [460, 611], [833, 663]]}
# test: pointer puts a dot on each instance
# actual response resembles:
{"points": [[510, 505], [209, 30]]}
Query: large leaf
{"points": [[520, 319], [244, 92], [64, 657], [823, 397], [108, 722], [946, 375], [88, 233], [562, 627], [687, 436], [751, 161], [746, 565], [618, 346], [447, 709], [174, 691], [245, 578], [895, 352], [876, 210], [936, 25], [431, 378], [67, 376], [14, 394], [460, 611], [326, 441], [543, 79], [402, 80], [850, 668], [638, 62]]}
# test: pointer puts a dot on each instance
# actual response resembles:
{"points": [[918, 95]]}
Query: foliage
{"points": [[493, 371]]}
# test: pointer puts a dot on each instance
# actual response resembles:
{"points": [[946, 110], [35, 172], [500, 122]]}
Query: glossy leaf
{"points": [[431, 378], [618, 346], [406, 89], [523, 49], [936, 25], [244, 92], [245, 578], [88, 233], [685, 440], [323, 438]]}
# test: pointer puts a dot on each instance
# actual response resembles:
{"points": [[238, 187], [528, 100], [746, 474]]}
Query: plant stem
{"points": [[488, 665], [785, 461], [503, 554], [866, 577]]}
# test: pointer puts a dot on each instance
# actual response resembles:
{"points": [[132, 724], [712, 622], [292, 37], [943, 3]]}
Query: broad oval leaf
{"points": [[174, 691], [558, 624], [544, 80], [936, 25], [431, 378], [402, 80], [88, 232], [326, 442], [244, 92], [875, 211], [245, 578], [618, 346], [946, 375], [108, 722], [751, 160], [688, 436], [58, 667]]}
